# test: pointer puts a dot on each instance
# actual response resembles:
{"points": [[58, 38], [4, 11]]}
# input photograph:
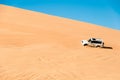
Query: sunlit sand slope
{"points": [[37, 46]]}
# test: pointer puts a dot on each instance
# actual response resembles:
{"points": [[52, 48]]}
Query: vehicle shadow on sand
{"points": [[106, 47]]}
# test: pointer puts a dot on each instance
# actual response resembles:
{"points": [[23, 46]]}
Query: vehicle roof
{"points": [[96, 39]]}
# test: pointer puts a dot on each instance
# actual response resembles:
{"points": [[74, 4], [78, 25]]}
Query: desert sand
{"points": [[37, 46]]}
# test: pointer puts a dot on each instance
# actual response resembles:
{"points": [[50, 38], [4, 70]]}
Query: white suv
{"points": [[93, 42]]}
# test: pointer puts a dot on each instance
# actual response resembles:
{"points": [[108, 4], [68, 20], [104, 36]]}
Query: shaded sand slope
{"points": [[36, 46]]}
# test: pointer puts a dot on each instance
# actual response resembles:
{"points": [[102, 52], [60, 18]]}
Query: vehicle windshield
{"points": [[89, 40]]}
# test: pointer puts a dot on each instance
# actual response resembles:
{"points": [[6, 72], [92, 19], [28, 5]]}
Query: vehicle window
{"points": [[89, 40], [93, 38], [98, 42]]}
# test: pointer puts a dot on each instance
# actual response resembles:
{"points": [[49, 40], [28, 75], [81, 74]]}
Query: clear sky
{"points": [[101, 12]]}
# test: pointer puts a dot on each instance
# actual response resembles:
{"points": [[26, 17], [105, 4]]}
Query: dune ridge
{"points": [[37, 46]]}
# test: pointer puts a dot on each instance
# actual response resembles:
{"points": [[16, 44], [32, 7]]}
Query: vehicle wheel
{"points": [[85, 45], [102, 46]]}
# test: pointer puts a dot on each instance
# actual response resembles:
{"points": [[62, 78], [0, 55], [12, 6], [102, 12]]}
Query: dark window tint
{"points": [[98, 42], [93, 38]]}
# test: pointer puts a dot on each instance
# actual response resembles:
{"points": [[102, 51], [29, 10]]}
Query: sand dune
{"points": [[37, 46]]}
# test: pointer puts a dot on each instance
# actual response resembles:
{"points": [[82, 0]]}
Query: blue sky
{"points": [[101, 12]]}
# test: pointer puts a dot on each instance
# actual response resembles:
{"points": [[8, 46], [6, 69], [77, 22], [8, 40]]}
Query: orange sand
{"points": [[36, 46]]}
